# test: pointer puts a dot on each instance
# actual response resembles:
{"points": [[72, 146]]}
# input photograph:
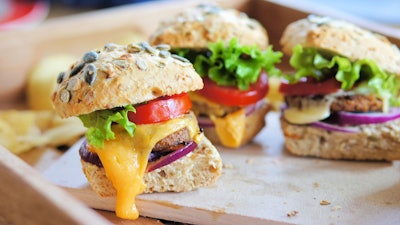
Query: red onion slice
{"points": [[349, 118], [172, 157], [89, 156], [335, 128], [205, 122], [93, 158]]}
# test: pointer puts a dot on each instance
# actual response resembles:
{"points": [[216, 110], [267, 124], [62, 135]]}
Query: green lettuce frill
{"points": [[232, 64], [368, 76], [99, 124]]}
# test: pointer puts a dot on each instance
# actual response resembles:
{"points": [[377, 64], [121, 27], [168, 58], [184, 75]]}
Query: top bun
{"points": [[197, 27], [120, 75], [342, 38]]}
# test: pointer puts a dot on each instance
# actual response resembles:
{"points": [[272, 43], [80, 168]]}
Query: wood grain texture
{"points": [[110, 216], [27, 198]]}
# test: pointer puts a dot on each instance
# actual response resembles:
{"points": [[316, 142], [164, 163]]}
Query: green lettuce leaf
{"points": [[310, 62], [232, 64], [99, 124]]}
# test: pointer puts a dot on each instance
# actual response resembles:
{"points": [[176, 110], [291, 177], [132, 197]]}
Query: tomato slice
{"points": [[310, 86], [161, 109], [232, 96]]}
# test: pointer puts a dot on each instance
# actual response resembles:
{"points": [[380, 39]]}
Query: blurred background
{"points": [[17, 13], [383, 11], [26, 13]]}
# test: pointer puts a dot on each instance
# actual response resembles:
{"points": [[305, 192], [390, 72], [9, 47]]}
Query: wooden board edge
{"points": [[27, 198]]}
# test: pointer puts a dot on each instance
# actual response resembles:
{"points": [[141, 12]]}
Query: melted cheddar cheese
{"points": [[231, 128], [125, 158]]}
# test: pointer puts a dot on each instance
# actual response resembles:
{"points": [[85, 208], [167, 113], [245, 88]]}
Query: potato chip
{"points": [[23, 130], [8, 135]]}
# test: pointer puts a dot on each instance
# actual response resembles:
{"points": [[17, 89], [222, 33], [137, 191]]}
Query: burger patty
{"points": [[174, 141], [357, 103], [347, 102]]}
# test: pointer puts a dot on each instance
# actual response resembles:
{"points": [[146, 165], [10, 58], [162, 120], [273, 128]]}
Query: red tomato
{"points": [[232, 96], [310, 87], [161, 109]]}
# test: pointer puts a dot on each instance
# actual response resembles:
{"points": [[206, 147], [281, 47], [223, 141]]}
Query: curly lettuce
{"points": [[232, 64], [364, 74], [99, 124]]}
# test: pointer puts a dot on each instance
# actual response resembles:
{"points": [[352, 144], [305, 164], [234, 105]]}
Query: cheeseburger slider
{"points": [[342, 99], [142, 136], [231, 53]]}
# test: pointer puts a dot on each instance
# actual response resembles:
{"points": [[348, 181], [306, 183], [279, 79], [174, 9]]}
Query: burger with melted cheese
{"points": [[231, 53], [142, 136], [342, 101]]}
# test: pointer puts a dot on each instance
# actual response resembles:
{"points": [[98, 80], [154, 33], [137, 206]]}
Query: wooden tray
{"points": [[261, 182]]}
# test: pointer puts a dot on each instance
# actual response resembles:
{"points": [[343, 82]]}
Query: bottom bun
{"points": [[199, 168], [253, 125], [373, 142]]}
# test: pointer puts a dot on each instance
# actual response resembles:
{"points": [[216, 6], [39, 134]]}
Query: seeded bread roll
{"points": [[342, 38], [127, 73], [116, 84], [312, 127], [197, 27], [193, 30], [373, 142], [198, 169]]}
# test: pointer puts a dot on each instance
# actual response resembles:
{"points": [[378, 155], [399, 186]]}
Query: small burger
{"points": [[231, 53], [342, 100], [142, 136]]}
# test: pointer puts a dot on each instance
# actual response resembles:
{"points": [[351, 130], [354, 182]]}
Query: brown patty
{"points": [[357, 103], [348, 103], [173, 141]]}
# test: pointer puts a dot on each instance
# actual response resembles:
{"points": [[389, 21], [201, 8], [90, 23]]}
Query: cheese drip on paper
{"points": [[125, 159]]}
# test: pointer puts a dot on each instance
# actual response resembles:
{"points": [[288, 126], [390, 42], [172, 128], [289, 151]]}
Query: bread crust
{"points": [[199, 168], [197, 27], [254, 123], [120, 75], [373, 142], [343, 38]]}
